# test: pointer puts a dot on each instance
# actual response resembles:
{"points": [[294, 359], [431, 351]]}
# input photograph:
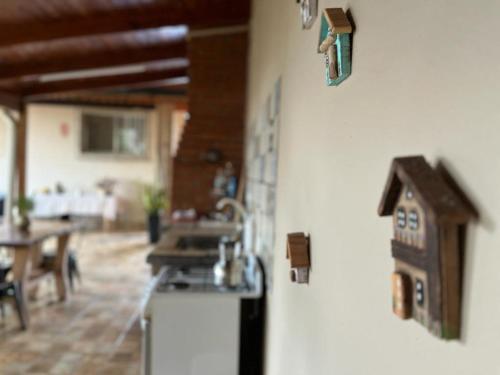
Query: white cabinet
{"points": [[195, 334]]}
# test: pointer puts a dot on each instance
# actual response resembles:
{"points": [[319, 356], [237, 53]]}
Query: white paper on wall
{"points": [[262, 175]]}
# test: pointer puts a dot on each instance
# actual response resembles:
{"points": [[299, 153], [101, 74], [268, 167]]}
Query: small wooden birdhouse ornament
{"points": [[335, 45], [297, 250], [429, 214]]}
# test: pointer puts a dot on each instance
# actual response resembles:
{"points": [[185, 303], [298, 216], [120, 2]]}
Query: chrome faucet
{"points": [[238, 207], [246, 231]]}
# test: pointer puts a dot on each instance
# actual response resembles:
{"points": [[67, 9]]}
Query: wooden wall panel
{"points": [[216, 95]]}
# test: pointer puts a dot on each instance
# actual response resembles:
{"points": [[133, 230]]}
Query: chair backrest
{"points": [[4, 287], [3, 274]]}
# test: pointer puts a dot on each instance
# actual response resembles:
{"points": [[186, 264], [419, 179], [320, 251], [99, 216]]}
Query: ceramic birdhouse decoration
{"points": [[429, 216], [297, 250], [335, 45]]}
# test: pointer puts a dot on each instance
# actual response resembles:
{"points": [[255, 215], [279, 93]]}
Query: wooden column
{"points": [[21, 140], [10, 122]]}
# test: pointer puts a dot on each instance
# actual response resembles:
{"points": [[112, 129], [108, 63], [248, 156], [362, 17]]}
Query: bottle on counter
{"points": [[236, 267], [220, 268]]}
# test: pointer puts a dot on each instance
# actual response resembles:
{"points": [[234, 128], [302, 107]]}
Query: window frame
{"points": [[114, 154], [420, 302], [401, 209], [415, 221]]}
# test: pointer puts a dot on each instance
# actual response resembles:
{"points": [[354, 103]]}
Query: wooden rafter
{"points": [[97, 98], [94, 60], [101, 82], [193, 13], [10, 101], [163, 84]]}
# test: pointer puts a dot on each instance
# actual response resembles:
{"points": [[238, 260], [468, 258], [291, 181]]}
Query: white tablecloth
{"points": [[85, 204]]}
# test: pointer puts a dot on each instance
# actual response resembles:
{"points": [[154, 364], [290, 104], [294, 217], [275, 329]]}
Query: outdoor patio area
{"points": [[98, 330]]}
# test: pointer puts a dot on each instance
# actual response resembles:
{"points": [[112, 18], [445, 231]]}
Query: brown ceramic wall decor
{"points": [[297, 250], [429, 215]]}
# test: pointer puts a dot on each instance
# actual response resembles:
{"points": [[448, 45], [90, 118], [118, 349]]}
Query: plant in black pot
{"points": [[154, 201], [23, 206]]}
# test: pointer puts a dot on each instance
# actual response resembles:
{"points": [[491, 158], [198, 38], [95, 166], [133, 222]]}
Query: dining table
{"points": [[28, 267]]}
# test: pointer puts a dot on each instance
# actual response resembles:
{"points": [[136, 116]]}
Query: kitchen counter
{"points": [[200, 280], [167, 251], [192, 326]]}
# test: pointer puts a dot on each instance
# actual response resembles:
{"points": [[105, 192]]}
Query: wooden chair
{"points": [[11, 291], [73, 268]]}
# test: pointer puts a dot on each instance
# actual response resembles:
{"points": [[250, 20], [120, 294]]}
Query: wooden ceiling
{"points": [[114, 99], [52, 47]]}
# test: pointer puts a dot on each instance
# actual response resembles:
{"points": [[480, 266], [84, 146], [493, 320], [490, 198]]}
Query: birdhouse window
{"points": [[419, 292], [401, 216], [413, 220]]}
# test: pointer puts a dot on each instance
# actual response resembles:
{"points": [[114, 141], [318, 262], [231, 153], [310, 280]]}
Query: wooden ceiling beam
{"points": [[95, 60], [109, 100], [196, 14], [10, 100], [122, 80], [159, 84]]}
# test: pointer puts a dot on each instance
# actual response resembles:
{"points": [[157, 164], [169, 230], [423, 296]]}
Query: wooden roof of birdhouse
{"points": [[428, 186], [337, 20], [298, 250]]}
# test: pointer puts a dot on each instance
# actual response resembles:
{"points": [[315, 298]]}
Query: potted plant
{"points": [[23, 206], [154, 201]]}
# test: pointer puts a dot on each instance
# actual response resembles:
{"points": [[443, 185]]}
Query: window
{"points": [[401, 216], [419, 292], [107, 133], [413, 220]]}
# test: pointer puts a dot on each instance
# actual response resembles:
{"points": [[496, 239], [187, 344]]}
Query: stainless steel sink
{"points": [[194, 279]]}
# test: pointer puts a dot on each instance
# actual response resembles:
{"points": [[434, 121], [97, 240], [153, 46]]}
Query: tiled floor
{"points": [[97, 331]]}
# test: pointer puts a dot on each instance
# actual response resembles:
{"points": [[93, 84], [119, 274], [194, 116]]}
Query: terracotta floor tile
{"points": [[90, 334]]}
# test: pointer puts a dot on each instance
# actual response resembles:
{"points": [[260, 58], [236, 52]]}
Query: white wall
{"points": [[426, 80], [53, 157]]}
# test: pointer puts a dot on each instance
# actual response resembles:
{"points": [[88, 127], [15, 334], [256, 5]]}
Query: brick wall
{"points": [[216, 94]]}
